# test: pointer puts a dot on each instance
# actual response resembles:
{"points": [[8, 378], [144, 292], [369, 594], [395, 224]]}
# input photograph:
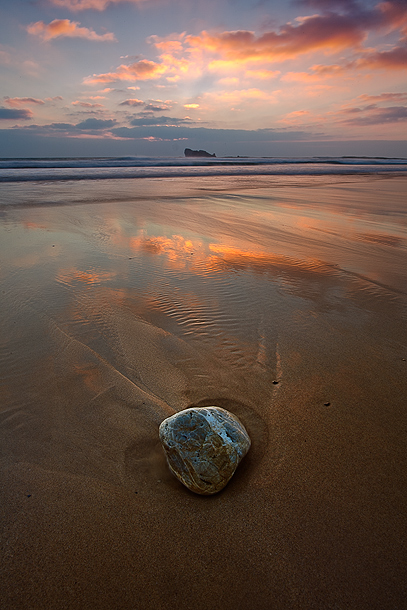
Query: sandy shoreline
{"points": [[116, 315]]}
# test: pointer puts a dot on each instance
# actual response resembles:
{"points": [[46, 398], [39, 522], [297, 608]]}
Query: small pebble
{"points": [[275, 382], [327, 404]]}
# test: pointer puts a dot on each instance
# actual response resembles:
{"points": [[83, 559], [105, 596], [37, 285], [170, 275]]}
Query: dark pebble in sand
{"points": [[275, 382], [327, 404], [28, 495]]}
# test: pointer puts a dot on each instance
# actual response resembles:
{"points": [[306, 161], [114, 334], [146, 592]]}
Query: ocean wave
{"points": [[15, 170]]}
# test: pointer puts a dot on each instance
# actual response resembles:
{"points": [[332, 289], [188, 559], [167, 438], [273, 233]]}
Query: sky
{"points": [[234, 77]]}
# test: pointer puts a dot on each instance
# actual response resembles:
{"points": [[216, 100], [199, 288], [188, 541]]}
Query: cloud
{"points": [[16, 102], [239, 96], [98, 5], [372, 115], [58, 126], [96, 124], [132, 102], [384, 97], [210, 136], [262, 74], [330, 33], [161, 120], [139, 70], [385, 14], [67, 129], [326, 4], [156, 107], [340, 27], [64, 28], [5, 57], [395, 59], [86, 104], [15, 113]]}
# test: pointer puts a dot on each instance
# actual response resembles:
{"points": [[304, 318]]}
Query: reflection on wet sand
{"points": [[288, 312]]}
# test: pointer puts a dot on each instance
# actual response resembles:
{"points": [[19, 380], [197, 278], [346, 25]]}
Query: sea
{"points": [[99, 168]]}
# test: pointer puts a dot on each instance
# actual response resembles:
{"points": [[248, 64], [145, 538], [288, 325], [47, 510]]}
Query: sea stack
{"points": [[197, 153], [204, 446]]}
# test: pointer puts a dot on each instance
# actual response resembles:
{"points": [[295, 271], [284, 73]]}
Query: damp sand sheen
{"points": [[282, 299]]}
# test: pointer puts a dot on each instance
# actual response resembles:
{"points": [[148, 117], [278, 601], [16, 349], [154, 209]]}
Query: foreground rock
{"points": [[204, 446]]}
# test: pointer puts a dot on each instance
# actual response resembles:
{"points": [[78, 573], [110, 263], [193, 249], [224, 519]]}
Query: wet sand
{"points": [[281, 299]]}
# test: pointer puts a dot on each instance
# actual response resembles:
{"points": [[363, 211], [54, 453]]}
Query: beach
{"points": [[281, 298]]}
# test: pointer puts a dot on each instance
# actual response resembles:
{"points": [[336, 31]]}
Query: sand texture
{"points": [[284, 302]]}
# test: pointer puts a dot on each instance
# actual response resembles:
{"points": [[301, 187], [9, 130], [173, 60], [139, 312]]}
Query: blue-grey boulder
{"points": [[204, 446]]}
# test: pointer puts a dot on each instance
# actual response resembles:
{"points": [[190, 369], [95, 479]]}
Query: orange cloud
{"points": [[300, 77], [229, 81], [239, 96], [16, 102], [86, 104], [296, 118], [331, 33], [262, 74], [245, 54], [296, 114], [140, 70], [64, 28]]}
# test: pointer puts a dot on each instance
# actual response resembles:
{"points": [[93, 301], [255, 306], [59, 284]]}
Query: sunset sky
{"points": [[236, 77]]}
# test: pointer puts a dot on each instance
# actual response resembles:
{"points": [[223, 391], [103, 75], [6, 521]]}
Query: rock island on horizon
{"points": [[188, 152]]}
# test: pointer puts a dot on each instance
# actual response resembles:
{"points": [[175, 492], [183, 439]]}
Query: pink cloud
{"points": [[132, 102], [140, 70], [64, 28], [16, 102], [99, 5]]}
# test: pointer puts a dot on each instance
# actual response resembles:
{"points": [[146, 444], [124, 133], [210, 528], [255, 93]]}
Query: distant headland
{"points": [[197, 153]]}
